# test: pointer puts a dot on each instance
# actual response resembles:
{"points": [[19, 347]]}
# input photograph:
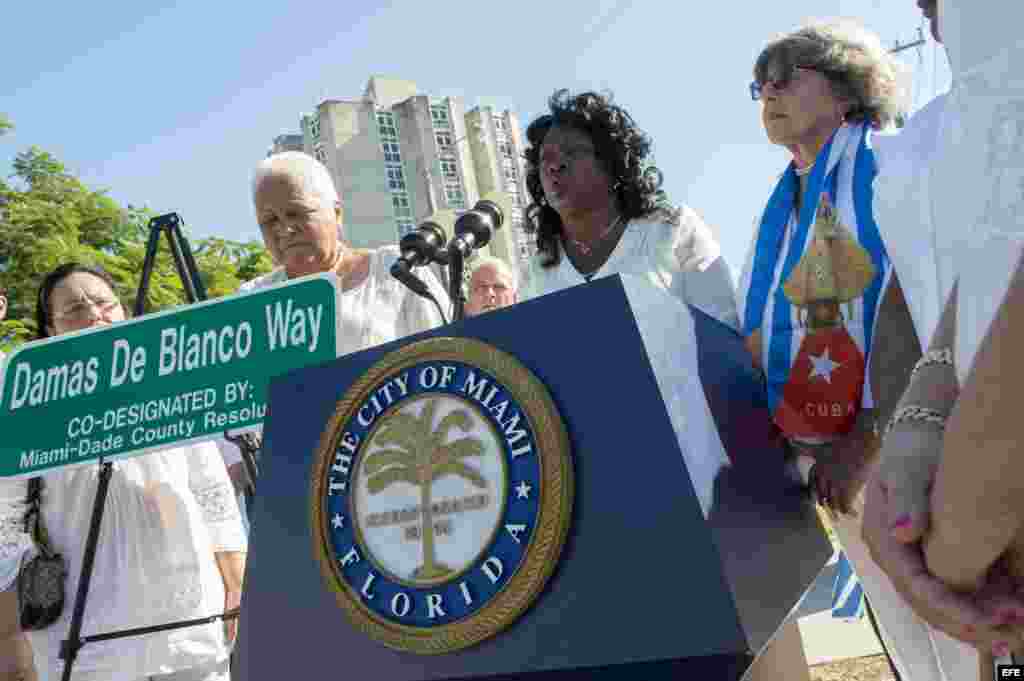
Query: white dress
{"points": [[950, 204], [379, 310], [662, 264], [166, 515]]}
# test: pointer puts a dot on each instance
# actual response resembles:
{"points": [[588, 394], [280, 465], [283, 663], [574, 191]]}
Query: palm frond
{"points": [[460, 449], [427, 417], [402, 430], [458, 418], [460, 469], [382, 458], [381, 481]]}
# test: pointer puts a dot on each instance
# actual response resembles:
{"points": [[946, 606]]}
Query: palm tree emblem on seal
{"points": [[414, 452]]}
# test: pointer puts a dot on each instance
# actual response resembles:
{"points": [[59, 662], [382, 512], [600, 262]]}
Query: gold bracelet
{"points": [[912, 412], [941, 357]]}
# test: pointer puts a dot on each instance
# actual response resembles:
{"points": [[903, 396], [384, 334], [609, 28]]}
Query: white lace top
{"points": [[166, 516]]}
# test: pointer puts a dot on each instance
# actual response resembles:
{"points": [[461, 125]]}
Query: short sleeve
{"points": [[697, 272], [213, 491], [743, 284], [694, 244], [15, 543]]}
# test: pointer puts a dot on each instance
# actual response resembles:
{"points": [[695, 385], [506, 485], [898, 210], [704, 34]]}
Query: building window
{"points": [[439, 116], [314, 127], [401, 206], [505, 149], [404, 227], [391, 152], [449, 170], [444, 142], [499, 124], [396, 178], [453, 195], [386, 126]]}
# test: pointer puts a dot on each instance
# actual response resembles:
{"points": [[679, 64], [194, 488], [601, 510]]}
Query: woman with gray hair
{"points": [[300, 218], [810, 292]]}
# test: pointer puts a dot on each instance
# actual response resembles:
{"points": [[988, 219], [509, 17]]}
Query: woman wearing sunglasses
{"points": [[810, 291]]}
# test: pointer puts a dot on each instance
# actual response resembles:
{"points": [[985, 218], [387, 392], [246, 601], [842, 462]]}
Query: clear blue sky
{"points": [[169, 105]]}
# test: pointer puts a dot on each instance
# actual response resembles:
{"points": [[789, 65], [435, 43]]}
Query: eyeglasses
{"points": [[81, 310], [780, 83]]}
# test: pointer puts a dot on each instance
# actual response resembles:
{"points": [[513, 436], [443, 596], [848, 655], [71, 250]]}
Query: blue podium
{"points": [[648, 585]]}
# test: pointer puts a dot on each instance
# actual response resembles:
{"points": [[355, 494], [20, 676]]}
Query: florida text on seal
{"points": [[441, 495]]}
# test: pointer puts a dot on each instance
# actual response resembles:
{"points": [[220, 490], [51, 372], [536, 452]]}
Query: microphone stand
{"points": [[456, 267], [195, 291], [473, 230]]}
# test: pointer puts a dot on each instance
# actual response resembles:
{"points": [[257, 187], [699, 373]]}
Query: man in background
{"points": [[492, 285]]}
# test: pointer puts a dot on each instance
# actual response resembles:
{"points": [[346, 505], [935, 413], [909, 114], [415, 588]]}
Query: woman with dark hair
{"points": [[171, 547], [597, 209]]}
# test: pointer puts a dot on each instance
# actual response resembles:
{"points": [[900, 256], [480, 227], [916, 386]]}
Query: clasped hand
{"points": [[896, 520]]}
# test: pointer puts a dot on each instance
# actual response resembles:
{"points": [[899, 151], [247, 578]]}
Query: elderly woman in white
{"points": [[300, 217]]}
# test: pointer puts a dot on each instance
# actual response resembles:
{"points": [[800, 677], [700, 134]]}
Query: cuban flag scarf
{"points": [[811, 290]]}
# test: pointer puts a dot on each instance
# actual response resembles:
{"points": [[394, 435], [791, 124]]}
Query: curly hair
{"points": [[619, 145], [853, 59], [44, 316]]}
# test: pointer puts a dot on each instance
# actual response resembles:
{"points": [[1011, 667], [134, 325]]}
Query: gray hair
{"points": [[499, 265], [853, 59], [310, 173]]}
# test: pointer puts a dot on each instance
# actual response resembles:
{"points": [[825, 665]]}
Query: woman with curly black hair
{"points": [[597, 209]]}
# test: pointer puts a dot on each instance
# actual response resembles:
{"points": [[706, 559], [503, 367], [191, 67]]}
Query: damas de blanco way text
{"points": [[180, 350]]}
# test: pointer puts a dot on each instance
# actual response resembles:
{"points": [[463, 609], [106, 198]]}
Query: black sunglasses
{"points": [[781, 83]]}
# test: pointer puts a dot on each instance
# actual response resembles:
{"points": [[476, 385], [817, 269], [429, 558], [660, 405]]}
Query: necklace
{"points": [[802, 172], [586, 249]]}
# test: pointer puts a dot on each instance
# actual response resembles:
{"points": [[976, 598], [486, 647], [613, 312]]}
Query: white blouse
{"points": [[165, 517], [663, 263], [676, 253], [378, 310]]}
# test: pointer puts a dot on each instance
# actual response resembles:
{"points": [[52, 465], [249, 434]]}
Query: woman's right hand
{"points": [[16, 662], [906, 470]]}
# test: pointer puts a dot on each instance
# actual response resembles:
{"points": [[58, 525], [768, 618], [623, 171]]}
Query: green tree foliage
{"points": [[48, 216]]}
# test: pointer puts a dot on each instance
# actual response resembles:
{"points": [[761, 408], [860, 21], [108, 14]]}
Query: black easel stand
{"points": [[194, 292]]}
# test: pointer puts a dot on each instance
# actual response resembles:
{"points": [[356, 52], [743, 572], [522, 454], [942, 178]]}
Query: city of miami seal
{"points": [[441, 495]]}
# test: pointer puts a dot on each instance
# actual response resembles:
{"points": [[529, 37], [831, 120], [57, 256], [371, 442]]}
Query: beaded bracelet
{"points": [[943, 356], [912, 412]]}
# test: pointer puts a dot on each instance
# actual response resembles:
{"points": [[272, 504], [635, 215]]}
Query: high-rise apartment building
{"points": [[286, 142], [397, 156]]}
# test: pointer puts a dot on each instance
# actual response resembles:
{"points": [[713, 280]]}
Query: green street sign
{"points": [[173, 377]]}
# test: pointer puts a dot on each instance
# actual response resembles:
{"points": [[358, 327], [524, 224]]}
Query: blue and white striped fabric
{"points": [[847, 592], [844, 173]]}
